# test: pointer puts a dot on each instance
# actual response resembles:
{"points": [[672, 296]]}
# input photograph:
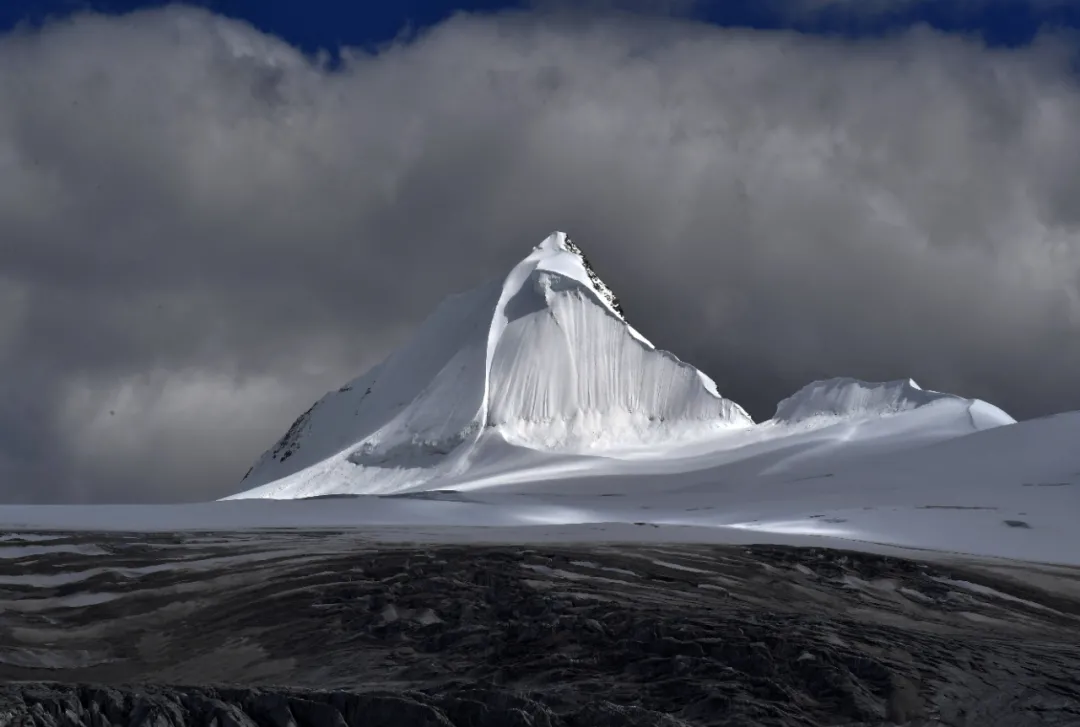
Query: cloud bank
{"points": [[202, 230]]}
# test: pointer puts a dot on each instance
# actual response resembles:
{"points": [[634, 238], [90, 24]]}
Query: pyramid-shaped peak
{"points": [[558, 244], [539, 361]]}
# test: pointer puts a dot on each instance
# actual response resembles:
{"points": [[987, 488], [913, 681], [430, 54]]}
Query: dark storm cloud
{"points": [[202, 230]]}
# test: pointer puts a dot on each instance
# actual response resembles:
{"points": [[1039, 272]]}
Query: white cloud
{"points": [[180, 193]]}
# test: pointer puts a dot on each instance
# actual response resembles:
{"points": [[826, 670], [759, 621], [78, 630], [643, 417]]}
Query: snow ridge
{"points": [[598, 285]]}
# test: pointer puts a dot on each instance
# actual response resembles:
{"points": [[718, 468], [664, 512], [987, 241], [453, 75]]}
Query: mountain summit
{"points": [[540, 360]]}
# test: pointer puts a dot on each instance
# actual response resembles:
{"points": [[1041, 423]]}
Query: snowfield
{"points": [[528, 409]]}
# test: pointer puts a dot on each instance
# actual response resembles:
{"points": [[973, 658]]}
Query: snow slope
{"points": [[1008, 492], [542, 359]]}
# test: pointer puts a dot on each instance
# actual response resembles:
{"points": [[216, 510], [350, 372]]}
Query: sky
{"points": [[213, 213]]}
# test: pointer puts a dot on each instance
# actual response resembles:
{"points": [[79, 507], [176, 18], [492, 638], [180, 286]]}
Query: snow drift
{"points": [[539, 376]]}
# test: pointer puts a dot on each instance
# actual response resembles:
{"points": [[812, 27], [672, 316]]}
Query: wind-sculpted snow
{"points": [[543, 359], [844, 398], [567, 373]]}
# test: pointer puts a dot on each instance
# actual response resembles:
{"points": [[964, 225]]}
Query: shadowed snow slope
{"points": [[541, 360]]}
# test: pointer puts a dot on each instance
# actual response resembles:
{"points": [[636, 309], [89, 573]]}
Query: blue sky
{"points": [[330, 24]]}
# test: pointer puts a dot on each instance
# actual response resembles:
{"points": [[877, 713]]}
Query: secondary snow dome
{"points": [[846, 399], [542, 359]]}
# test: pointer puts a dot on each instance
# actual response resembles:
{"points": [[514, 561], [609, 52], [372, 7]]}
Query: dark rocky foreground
{"points": [[322, 630]]}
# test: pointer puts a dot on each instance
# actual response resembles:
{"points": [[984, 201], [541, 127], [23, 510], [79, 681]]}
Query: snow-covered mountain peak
{"points": [[554, 243], [558, 252], [539, 373], [541, 360]]}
